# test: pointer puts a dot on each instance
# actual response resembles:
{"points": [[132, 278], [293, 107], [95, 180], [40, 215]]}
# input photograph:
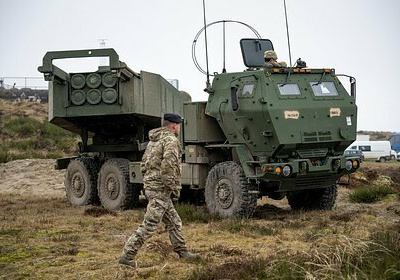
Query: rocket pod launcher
{"points": [[114, 105]]}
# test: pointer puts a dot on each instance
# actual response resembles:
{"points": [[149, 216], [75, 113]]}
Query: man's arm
{"points": [[170, 167]]}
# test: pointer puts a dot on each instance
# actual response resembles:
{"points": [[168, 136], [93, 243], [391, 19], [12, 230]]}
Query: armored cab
{"points": [[287, 126], [112, 110]]}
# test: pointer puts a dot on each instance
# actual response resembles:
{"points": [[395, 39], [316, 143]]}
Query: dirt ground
{"points": [[38, 177], [31, 177], [43, 237]]}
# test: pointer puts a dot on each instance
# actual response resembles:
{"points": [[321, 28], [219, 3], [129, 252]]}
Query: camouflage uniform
{"points": [[271, 60], [161, 177]]}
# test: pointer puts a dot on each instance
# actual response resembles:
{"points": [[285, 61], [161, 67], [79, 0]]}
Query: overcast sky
{"points": [[356, 37]]}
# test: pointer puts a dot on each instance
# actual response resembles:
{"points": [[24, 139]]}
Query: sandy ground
{"points": [[38, 177], [32, 177]]}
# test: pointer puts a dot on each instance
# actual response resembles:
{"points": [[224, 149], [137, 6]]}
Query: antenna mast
{"points": [[103, 60], [205, 38], [287, 33]]}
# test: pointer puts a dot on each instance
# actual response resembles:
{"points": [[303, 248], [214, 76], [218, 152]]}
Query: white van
{"points": [[378, 150]]}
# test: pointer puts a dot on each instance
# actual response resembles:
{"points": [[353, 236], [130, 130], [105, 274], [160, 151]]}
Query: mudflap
{"points": [[345, 181]]}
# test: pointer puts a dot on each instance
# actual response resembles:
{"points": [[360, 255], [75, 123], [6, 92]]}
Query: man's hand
{"points": [[176, 194]]}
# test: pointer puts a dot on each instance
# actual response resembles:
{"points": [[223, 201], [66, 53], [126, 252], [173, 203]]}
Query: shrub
{"points": [[24, 137], [370, 194], [4, 156], [193, 214], [21, 126]]}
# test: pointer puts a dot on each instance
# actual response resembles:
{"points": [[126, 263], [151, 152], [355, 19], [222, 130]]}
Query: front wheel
{"points": [[115, 191], [227, 192], [318, 199]]}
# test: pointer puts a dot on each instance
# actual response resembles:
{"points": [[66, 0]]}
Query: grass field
{"points": [[46, 238]]}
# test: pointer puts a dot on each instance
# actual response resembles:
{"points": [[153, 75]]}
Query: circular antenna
{"points": [[223, 22]]}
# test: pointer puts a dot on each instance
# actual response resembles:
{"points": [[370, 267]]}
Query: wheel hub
{"points": [[78, 185], [112, 186], [224, 193]]}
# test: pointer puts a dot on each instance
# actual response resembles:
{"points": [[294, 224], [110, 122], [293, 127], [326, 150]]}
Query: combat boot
{"points": [[125, 260], [187, 255]]}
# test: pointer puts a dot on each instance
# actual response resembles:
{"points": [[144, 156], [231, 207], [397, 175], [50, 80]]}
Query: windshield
{"points": [[324, 89], [289, 89]]}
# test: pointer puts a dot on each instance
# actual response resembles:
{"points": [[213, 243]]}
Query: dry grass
{"points": [[46, 238], [43, 237], [24, 109]]}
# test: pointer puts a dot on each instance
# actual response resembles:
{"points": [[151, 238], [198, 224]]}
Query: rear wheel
{"points": [[227, 191], [382, 159], [318, 199], [81, 181], [115, 191]]}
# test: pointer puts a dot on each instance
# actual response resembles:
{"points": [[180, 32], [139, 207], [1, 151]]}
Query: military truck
{"points": [[276, 132]]}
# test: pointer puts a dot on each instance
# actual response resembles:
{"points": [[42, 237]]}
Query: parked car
{"points": [[393, 155], [377, 150], [354, 153]]}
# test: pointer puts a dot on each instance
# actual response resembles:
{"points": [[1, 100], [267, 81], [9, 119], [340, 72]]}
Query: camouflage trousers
{"points": [[160, 208]]}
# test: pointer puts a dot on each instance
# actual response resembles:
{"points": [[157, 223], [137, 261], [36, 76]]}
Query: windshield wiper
{"points": [[320, 80]]}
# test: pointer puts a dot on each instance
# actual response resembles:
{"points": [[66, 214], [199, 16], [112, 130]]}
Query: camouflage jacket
{"points": [[275, 64], [161, 161]]}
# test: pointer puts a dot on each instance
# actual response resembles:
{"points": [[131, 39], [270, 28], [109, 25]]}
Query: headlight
{"points": [[287, 170], [349, 165]]}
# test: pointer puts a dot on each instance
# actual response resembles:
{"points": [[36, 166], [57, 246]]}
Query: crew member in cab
{"points": [[271, 58]]}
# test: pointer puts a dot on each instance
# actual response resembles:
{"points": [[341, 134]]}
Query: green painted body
{"points": [[114, 106], [263, 119], [272, 129]]}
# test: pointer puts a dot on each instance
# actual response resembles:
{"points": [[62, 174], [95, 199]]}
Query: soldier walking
{"points": [[161, 171]]}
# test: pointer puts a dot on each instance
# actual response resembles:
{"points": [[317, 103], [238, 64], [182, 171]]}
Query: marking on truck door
{"points": [[348, 119], [334, 112], [292, 115]]}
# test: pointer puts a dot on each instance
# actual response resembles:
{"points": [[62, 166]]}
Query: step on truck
{"points": [[276, 132]]}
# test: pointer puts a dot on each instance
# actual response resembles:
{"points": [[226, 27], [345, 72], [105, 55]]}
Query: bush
{"points": [[24, 137], [4, 156], [370, 194], [21, 126], [193, 214]]}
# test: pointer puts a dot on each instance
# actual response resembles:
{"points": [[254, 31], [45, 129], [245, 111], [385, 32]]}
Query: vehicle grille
{"points": [[317, 136], [313, 153], [314, 182]]}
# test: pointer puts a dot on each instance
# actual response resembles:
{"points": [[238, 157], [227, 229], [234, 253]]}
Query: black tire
{"points": [[81, 181], [382, 159], [227, 192], [318, 199], [115, 191]]}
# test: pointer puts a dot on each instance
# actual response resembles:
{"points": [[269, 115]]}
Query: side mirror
{"points": [[234, 100], [353, 87]]}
